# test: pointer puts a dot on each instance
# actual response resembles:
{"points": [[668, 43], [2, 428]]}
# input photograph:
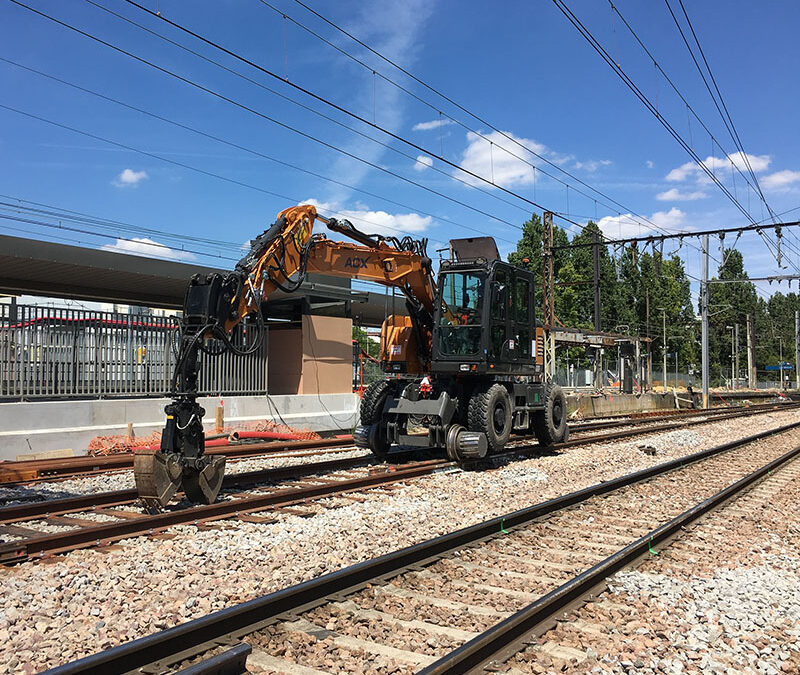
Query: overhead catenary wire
{"points": [[683, 235], [334, 105], [679, 93], [278, 122], [238, 146], [69, 228], [539, 206], [299, 104], [595, 44], [289, 127], [352, 114], [454, 120], [183, 165], [483, 121], [19, 205], [726, 116], [632, 215]]}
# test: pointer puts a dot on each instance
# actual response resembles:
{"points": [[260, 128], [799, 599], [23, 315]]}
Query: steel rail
{"points": [[35, 469], [30, 470], [635, 419], [504, 639], [232, 661], [671, 426], [239, 620], [55, 507], [58, 542], [60, 506]]}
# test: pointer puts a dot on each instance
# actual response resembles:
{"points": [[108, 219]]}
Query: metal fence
{"points": [[66, 353], [366, 369]]}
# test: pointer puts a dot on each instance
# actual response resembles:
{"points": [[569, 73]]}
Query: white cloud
{"points": [[649, 164], [375, 222], [433, 124], [683, 171], [130, 178], [148, 248], [423, 162], [395, 31], [674, 219], [675, 195], [593, 164], [717, 164], [490, 157], [780, 179], [626, 225]]}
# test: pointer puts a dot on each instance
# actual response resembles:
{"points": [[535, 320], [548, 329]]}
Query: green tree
{"points": [[582, 258], [729, 303], [530, 248], [369, 346], [566, 300]]}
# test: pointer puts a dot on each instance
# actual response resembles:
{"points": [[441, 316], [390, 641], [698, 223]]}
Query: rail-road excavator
{"points": [[463, 369]]}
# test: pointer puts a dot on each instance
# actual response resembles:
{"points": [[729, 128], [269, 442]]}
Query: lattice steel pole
{"points": [[704, 316], [548, 294]]}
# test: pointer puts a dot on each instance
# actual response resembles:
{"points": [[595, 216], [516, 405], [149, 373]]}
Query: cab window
{"points": [[462, 296], [523, 300], [460, 321]]}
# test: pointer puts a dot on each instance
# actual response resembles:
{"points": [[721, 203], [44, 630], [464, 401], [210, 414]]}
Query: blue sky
{"points": [[524, 69]]}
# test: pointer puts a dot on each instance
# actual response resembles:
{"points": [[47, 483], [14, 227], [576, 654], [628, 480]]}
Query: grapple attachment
{"points": [[203, 486], [160, 475]]}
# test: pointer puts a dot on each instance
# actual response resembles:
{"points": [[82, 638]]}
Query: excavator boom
{"points": [[215, 305]]}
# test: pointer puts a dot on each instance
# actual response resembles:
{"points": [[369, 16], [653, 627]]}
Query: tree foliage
{"points": [[635, 285], [643, 291]]}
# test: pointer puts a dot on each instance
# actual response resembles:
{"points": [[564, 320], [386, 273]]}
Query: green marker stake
{"points": [[503, 529], [650, 548]]}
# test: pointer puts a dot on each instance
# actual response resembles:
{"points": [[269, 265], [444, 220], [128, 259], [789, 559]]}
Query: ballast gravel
{"points": [[123, 480], [722, 598], [70, 606]]}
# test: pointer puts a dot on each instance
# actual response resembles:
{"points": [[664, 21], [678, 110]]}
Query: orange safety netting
{"points": [[112, 445]]}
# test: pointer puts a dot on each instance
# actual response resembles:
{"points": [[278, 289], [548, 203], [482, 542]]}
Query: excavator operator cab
{"points": [[485, 321]]}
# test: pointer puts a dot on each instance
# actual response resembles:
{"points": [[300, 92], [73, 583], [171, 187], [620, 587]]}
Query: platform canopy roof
{"points": [[32, 267]]}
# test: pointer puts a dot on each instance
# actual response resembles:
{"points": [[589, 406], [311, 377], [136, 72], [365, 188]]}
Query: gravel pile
{"points": [[743, 606], [92, 599]]}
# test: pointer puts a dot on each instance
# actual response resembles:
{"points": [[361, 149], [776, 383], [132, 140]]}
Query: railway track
{"points": [[469, 600], [24, 472], [49, 527], [34, 470]]}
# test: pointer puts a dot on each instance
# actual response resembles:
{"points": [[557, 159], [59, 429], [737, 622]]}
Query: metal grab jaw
{"points": [[179, 463]]}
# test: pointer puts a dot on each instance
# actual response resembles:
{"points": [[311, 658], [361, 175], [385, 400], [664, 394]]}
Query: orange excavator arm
{"points": [[279, 258], [282, 256], [289, 248]]}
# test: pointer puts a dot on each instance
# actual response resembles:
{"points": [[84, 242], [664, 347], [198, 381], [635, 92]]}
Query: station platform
{"points": [[66, 427]]}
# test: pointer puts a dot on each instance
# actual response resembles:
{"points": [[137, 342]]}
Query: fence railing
{"points": [[366, 369], [67, 353]]}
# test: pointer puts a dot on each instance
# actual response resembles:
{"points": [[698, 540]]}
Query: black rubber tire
{"points": [[550, 424], [490, 412], [372, 402]]}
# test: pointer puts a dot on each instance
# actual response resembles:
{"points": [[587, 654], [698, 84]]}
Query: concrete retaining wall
{"points": [[42, 426], [616, 404]]}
